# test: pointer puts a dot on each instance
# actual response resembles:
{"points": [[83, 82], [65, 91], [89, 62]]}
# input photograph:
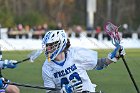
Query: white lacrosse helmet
{"points": [[54, 42]]}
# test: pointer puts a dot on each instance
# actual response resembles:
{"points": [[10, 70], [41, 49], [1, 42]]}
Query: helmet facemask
{"points": [[51, 47], [54, 43]]}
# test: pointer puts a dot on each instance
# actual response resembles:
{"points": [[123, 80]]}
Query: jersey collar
{"points": [[60, 63]]}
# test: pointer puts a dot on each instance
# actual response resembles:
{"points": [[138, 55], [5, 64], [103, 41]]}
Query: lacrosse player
{"points": [[4, 88], [65, 66]]}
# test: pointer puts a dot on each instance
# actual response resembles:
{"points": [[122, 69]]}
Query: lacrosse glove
{"points": [[77, 85], [9, 64], [1, 83], [117, 53], [66, 89], [74, 86]]}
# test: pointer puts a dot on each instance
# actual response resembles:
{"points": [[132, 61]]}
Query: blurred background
{"points": [[23, 23], [69, 12], [31, 19]]}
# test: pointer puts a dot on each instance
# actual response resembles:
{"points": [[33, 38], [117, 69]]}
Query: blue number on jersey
{"points": [[65, 81]]}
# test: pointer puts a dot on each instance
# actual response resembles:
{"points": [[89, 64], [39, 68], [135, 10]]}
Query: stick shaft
{"points": [[131, 76], [22, 61], [0, 59], [33, 55], [30, 86]]}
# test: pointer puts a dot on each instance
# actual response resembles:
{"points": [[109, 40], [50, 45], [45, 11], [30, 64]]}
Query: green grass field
{"points": [[113, 79]]}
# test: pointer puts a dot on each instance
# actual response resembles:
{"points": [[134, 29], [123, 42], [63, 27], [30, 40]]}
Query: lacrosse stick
{"points": [[30, 86], [112, 31], [38, 87], [31, 56], [0, 59], [0, 54]]}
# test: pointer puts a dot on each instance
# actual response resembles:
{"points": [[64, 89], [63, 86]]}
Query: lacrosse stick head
{"points": [[112, 31], [34, 55]]}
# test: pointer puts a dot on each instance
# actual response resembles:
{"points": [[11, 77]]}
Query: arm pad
{"points": [[101, 63]]}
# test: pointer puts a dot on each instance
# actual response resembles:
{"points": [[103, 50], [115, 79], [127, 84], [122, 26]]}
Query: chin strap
{"points": [[49, 59]]}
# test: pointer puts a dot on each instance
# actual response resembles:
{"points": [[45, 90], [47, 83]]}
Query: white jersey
{"points": [[77, 61]]}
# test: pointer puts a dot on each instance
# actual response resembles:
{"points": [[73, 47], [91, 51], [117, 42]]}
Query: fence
{"points": [[40, 34], [91, 40]]}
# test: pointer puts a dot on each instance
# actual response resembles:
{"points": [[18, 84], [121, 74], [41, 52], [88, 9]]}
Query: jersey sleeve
{"points": [[47, 78], [85, 58]]}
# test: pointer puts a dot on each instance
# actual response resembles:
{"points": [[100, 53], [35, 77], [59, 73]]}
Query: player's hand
{"points": [[67, 89], [122, 51], [117, 53], [9, 64], [74, 86], [77, 85], [3, 82]]}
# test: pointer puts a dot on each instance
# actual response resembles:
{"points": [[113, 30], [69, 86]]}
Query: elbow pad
{"points": [[101, 64]]}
